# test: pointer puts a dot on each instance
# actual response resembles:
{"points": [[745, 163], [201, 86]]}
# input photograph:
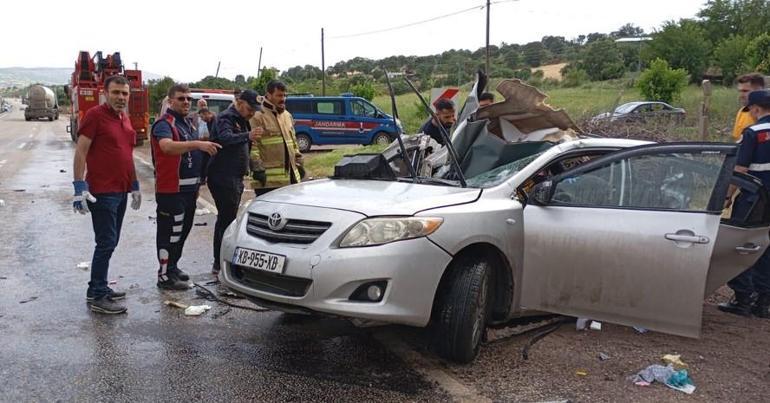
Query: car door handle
{"points": [[687, 238], [748, 249]]}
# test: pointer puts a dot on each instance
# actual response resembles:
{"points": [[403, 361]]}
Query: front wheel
{"points": [[381, 139], [461, 319], [303, 142]]}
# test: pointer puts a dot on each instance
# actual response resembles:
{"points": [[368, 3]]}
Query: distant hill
{"points": [[23, 76]]}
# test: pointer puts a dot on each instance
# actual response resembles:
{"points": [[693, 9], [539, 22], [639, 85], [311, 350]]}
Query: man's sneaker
{"points": [[105, 305], [739, 305], [178, 273], [173, 283], [112, 296]]}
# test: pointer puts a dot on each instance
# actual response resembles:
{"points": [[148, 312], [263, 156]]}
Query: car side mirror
{"points": [[542, 193]]}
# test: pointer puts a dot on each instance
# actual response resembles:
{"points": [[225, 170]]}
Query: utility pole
{"points": [[219, 63], [259, 65], [487, 49], [323, 66]]}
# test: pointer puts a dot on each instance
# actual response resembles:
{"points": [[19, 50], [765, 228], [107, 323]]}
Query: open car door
{"points": [[636, 237]]}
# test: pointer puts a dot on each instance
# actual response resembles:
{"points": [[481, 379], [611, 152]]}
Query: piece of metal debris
{"points": [[84, 265]]}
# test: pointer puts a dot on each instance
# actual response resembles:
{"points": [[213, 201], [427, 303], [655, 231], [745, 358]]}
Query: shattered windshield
{"points": [[500, 174]]}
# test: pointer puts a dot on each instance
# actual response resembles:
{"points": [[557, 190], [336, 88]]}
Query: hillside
{"points": [[24, 76]]}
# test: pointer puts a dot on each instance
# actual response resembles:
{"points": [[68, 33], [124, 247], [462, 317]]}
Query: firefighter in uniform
{"points": [[752, 287], [275, 158]]}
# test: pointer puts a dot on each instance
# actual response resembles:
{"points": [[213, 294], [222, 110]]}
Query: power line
{"points": [[411, 24]]}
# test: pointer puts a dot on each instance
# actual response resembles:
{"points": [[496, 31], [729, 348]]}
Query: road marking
{"points": [[20, 146], [203, 202], [430, 369]]}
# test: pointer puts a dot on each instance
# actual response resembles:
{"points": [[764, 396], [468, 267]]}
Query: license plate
{"points": [[259, 260]]}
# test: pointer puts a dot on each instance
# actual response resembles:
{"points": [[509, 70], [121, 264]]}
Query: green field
{"points": [[580, 103], [591, 99]]}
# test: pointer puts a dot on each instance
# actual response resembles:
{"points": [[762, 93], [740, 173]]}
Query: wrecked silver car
{"points": [[524, 213]]}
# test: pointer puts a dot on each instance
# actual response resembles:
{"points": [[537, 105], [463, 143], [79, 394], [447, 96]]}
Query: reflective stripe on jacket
{"points": [[275, 151]]}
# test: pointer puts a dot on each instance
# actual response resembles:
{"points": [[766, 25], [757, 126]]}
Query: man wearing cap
{"points": [[753, 158], [226, 171]]}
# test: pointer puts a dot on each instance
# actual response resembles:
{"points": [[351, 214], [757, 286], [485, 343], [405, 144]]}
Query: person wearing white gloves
{"points": [[104, 174]]}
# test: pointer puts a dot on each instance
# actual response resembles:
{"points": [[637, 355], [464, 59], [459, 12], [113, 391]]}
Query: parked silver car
{"points": [[642, 111], [617, 230]]}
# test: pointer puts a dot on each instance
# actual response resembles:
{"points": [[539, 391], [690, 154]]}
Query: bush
{"points": [[662, 83], [758, 52], [364, 90], [574, 77]]}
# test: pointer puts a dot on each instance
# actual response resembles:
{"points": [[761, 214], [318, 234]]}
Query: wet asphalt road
{"points": [[53, 348]]}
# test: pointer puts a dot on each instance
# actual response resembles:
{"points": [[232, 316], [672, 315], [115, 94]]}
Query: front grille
{"points": [[295, 231], [271, 282]]}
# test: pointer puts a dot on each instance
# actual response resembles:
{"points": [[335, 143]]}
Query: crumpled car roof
{"points": [[525, 108]]}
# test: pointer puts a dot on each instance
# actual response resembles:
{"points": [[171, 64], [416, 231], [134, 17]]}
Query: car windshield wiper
{"points": [[427, 180]]}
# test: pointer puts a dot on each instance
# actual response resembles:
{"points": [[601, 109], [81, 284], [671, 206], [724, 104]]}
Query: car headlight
{"points": [[379, 231]]}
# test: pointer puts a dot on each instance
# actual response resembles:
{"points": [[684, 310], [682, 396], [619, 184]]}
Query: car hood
{"points": [[370, 197]]}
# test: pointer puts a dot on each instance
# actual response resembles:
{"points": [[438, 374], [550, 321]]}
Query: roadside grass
{"points": [[591, 99], [581, 103], [321, 163]]}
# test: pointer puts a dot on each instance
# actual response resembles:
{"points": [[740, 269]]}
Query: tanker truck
{"points": [[41, 103]]}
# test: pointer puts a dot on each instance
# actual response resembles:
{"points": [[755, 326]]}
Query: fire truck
{"points": [[86, 90]]}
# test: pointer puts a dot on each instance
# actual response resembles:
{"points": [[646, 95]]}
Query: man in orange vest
{"points": [[746, 84]]}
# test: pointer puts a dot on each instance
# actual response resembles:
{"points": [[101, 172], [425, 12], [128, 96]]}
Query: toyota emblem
{"points": [[276, 222]]}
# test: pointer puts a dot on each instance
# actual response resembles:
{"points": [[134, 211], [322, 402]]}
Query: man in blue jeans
{"points": [[105, 151]]}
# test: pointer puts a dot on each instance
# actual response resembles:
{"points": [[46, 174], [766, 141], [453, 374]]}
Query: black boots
{"points": [[761, 307], [739, 305]]}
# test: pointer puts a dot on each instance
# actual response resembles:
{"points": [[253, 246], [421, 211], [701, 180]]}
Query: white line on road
{"points": [[203, 202], [433, 371], [20, 146]]}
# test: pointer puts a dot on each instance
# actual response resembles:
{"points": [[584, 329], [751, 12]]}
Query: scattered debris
{"points": [[208, 295], [196, 310], [112, 282], [537, 337], [175, 304], [603, 357], [62, 170], [2, 203], [84, 265], [30, 299], [640, 330], [149, 217], [3, 278], [596, 325], [581, 372], [133, 286], [202, 211], [675, 360], [201, 224], [678, 380], [19, 190], [582, 323]]}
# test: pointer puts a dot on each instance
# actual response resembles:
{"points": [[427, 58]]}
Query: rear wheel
{"points": [[74, 130], [463, 308], [303, 142], [50, 118], [381, 139]]}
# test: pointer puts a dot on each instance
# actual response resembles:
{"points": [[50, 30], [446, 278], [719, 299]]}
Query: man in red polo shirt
{"points": [[105, 150]]}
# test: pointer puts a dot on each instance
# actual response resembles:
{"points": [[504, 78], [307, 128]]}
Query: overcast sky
{"points": [[186, 39]]}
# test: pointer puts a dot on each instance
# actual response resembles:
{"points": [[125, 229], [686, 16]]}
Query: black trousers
{"points": [[227, 197], [176, 212]]}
